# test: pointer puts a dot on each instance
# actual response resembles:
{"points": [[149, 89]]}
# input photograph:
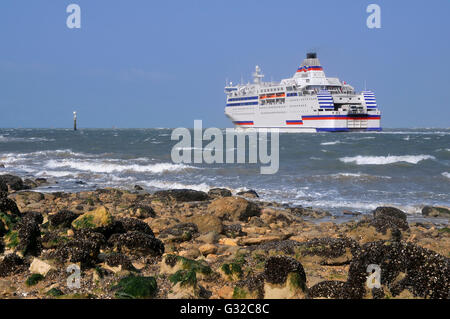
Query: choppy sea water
{"points": [[405, 168]]}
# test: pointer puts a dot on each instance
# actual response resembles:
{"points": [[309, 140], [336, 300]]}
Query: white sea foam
{"points": [[383, 160], [330, 143], [175, 185], [55, 173], [108, 167], [446, 174]]}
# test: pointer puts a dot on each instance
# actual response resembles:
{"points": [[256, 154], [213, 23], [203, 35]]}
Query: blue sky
{"points": [[164, 63]]}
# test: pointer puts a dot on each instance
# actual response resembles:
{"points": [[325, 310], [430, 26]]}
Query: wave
{"points": [[446, 174], [174, 185], [108, 167], [330, 143], [6, 139], [383, 160]]}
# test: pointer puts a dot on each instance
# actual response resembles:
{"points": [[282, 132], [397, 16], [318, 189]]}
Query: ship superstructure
{"points": [[309, 101]]}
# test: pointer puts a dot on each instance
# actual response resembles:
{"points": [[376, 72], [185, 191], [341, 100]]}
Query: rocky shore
{"points": [[184, 243]]}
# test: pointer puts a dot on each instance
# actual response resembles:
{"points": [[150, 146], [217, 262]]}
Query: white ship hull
{"points": [[308, 102]]}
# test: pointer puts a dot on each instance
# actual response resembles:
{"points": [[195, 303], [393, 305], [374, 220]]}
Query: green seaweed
{"points": [[54, 292], [184, 277], [239, 293], [84, 222], [34, 279], [131, 287]]}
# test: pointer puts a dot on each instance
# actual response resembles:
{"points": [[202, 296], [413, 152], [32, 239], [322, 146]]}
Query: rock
{"points": [[248, 193], [389, 212], [434, 211], [389, 218], [209, 238], [136, 243], [41, 267], [404, 266], [234, 230], [134, 224], [83, 248], [9, 207], [171, 264], [233, 209], [179, 233], [63, 218], [141, 211], [182, 195], [328, 289], [207, 249], [3, 189], [250, 288], [136, 287], [206, 223], [97, 219], [11, 264], [118, 260], [309, 212], [219, 192], [138, 188], [348, 212], [14, 182], [228, 241], [29, 235], [258, 240], [284, 277], [225, 292], [329, 251], [191, 253]]}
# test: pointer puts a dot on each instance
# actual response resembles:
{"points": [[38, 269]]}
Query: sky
{"points": [[149, 64]]}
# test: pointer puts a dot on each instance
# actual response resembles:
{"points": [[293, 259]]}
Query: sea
{"points": [[337, 172]]}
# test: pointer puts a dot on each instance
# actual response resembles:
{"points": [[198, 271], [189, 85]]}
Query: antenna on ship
{"points": [[365, 87]]}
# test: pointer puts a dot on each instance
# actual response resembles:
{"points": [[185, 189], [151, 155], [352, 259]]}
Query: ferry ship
{"points": [[307, 102]]}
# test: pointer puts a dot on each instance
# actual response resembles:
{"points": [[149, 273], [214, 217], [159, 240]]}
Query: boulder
{"points": [[233, 209], [13, 182], [11, 264], [136, 243], [328, 289], [182, 195], [118, 260], [179, 233], [329, 251], [309, 212], [404, 266], [134, 224], [9, 207], [248, 193], [29, 234], [41, 267], [284, 278], [63, 218], [385, 218], [97, 219], [141, 211], [83, 248], [207, 249], [219, 192], [434, 211], [206, 223]]}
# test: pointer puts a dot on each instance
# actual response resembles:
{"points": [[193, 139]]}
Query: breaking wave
{"points": [[383, 160], [108, 167]]}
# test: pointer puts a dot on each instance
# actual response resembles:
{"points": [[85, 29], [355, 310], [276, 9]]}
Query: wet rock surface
{"points": [[182, 195], [184, 243]]}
